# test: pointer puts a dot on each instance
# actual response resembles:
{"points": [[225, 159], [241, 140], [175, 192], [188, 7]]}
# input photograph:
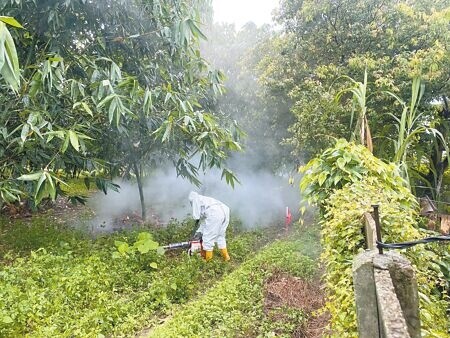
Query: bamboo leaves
{"points": [[136, 94], [187, 30], [45, 184], [9, 63]]}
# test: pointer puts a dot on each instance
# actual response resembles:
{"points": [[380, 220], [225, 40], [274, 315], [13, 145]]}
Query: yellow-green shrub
{"points": [[342, 239], [345, 181]]}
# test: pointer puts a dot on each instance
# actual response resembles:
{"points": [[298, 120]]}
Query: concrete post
{"points": [[387, 302], [392, 323], [405, 285], [365, 295]]}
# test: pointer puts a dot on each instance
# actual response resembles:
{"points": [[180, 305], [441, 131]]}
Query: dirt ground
{"points": [[309, 296]]}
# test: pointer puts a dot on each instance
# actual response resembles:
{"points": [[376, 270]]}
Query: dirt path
{"points": [[286, 291]]}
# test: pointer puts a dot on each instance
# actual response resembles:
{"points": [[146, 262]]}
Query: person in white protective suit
{"points": [[213, 217]]}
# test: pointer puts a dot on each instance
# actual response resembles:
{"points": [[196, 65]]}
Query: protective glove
{"points": [[197, 236]]}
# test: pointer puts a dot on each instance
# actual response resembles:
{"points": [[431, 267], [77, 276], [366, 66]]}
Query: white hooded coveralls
{"points": [[215, 216]]}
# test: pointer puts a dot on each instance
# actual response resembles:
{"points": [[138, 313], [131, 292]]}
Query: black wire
{"points": [[404, 245]]}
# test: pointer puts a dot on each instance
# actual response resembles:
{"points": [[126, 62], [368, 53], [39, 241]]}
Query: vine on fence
{"points": [[348, 180]]}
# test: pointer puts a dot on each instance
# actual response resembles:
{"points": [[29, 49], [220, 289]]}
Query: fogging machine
{"points": [[193, 246]]}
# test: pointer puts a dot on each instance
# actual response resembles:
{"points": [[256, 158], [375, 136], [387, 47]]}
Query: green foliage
{"points": [[58, 282], [346, 181], [342, 239], [345, 163], [22, 236], [45, 186], [9, 63], [234, 307], [143, 244], [132, 93], [282, 322], [410, 127], [359, 97], [324, 40], [263, 115]]}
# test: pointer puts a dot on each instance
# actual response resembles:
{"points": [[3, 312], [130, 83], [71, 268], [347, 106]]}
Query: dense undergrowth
{"points": [[61, 283], [346, 181], [234, 308]]}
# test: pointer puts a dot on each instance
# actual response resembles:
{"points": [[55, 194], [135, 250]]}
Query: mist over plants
{"points": [[128, 105], [111, 96], [264, 166], [259, 200], [262, 114]]}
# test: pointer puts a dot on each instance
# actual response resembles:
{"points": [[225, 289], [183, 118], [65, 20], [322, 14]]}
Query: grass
{"points": [[235, 306], [58, 282], [76, 186]]}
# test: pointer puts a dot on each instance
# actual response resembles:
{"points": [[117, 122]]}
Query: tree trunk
{"points": [[137, 172]]}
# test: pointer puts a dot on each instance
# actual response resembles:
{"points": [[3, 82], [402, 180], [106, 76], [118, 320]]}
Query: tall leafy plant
{"points": [[409, 126], [345, 181], [359, 100], [103, 91]]}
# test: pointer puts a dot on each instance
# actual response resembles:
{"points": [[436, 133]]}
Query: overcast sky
{"points": [[240, 12]]}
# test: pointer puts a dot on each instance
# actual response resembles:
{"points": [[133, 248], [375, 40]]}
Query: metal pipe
{"points": [[177, 245], [376, 217]]}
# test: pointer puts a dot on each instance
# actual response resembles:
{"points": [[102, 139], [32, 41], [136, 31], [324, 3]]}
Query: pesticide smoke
{"points": [[261, 197], [259, 200]]}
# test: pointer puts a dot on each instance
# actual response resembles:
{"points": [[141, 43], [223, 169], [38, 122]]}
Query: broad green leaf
{"points": [[31, 177], [341, 163], [39, 185], [145, 246], [195, 30], [322, 177], [74, 140], [65, 144], [10, 21], [51, 186], [347, 157], [144, 236], [337, 179], [9, 63], [122, 247], [106, 100]]}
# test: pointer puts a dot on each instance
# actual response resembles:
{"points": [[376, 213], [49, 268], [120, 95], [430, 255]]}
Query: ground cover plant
{"points": [[235, 306], [60, 282]]}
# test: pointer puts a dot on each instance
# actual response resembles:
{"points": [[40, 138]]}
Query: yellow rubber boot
{"points": [[208, 255], [225, 255]]}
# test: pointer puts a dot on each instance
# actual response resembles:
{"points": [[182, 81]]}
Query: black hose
{"points": [[404, 245]]}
